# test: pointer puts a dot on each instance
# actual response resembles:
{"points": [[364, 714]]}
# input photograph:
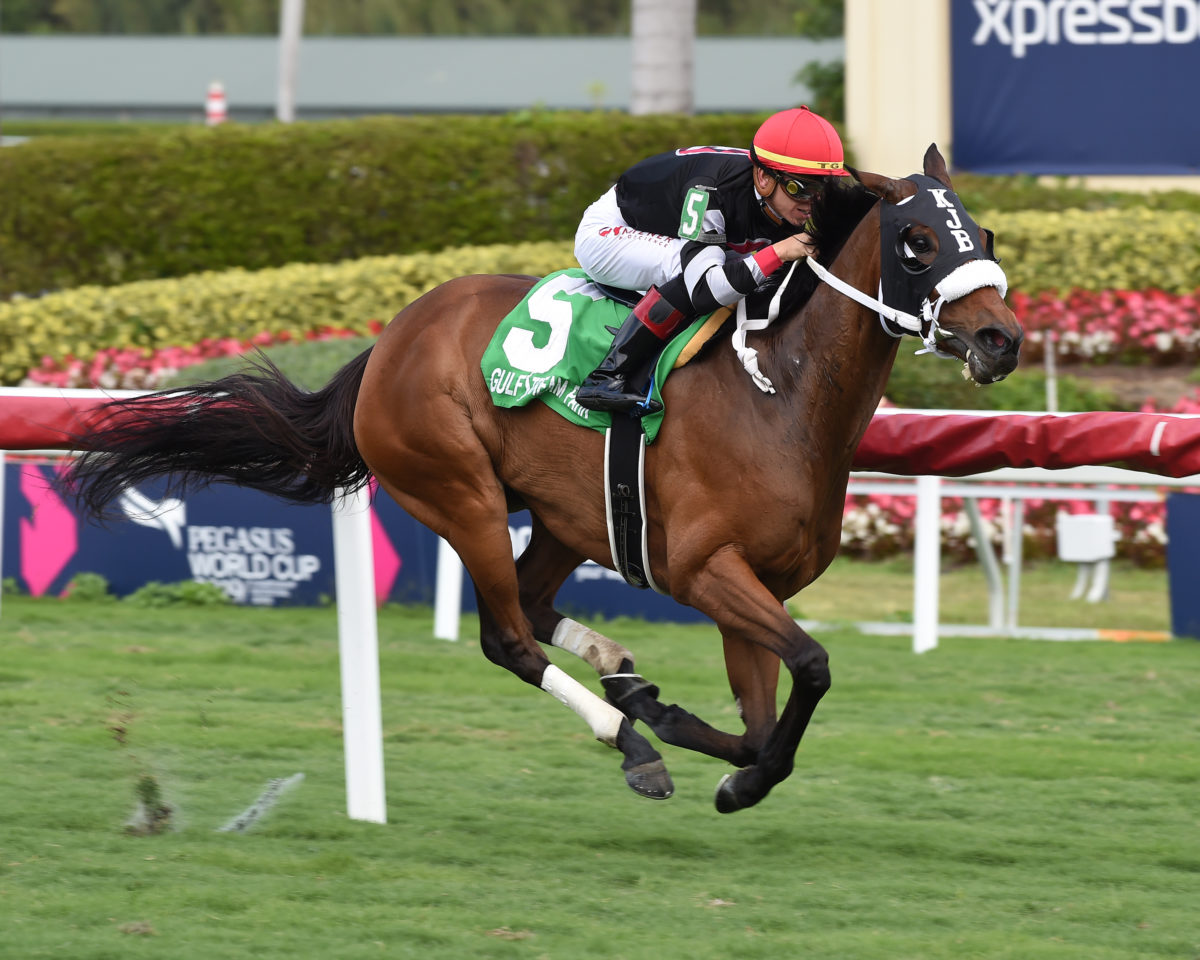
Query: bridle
{"points": [[918, 290], [963, 279], [950, 276]]}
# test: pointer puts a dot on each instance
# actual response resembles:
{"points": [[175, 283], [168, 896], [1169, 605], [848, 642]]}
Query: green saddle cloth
{"points": [[548, 344]]}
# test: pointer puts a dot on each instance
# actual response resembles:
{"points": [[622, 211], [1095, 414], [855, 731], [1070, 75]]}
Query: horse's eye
{"points": [[919, 244]]}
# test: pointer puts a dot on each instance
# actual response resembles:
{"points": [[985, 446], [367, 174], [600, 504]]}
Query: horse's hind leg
{"points": [[541, 570], [473, 519]]}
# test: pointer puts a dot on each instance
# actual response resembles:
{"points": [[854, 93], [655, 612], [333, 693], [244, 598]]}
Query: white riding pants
{"points": [[612, 252]]}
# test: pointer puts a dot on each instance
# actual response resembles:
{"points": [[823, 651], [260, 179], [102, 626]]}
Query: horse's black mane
{"points": [[836, 212]]}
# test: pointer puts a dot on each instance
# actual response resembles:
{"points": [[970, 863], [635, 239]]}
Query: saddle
{"points": [[559, 333], [693, 345]]}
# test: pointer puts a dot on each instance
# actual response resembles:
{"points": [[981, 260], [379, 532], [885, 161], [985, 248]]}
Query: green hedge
{"points": [[935, 383], [238, 303], [1098, 250], [170, 201], [108, 210], [980, 192], [1094, 251], [1103, 250]]}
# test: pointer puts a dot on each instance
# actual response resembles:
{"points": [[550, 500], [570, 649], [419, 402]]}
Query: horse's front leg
{"points": [[727, 590], [753, 673], [637, 698]]}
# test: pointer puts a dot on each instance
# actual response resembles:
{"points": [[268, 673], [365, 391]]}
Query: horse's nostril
{"points": [[996, 341]]}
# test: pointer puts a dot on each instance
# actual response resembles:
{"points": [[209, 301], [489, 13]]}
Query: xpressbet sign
{"points": [[1075, 86], [1021, 24]]}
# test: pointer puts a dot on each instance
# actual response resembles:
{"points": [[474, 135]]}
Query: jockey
{"points": [[695, 229]]}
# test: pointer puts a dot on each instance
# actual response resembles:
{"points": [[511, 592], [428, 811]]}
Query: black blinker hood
{"points": [[905, 281]]}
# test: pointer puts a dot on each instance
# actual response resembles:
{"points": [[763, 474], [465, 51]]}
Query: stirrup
{"points": [[605, 396], [633, 404]]}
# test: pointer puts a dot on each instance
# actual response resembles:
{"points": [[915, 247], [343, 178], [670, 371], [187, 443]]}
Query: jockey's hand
{"points": [[795, 247]]}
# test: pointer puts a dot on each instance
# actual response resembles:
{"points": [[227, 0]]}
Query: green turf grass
{"points": [[988, 799], [851, 591]]}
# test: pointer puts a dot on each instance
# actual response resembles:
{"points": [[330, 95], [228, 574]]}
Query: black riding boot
{"points": [[619, 383]]}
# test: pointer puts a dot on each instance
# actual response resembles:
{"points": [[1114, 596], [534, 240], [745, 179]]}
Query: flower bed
{"points": [[1102, 326], [1134, 326], [135, 368], [878, 526], [1090, 326]]}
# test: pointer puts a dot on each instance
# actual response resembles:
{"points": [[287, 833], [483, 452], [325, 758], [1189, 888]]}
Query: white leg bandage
{"points": [[593, 648], [601, 716]]}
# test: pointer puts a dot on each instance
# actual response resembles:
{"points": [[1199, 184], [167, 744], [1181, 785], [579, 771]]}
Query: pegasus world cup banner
{"points": [[259, 550], [1076, 87]]}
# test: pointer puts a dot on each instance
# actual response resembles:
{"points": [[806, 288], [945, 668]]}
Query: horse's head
{"points": [[938, 265]]}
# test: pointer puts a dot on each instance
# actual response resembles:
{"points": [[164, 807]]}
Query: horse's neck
{"points": [[838, 343]]}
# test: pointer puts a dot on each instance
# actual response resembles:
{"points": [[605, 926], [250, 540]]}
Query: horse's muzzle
{"points": [[991, 353], [994, 353]]}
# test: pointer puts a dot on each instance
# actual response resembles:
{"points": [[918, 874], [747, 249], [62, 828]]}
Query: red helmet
{"points": [[799, 141]]}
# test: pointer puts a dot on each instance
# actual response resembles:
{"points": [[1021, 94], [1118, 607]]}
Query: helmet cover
{"points": [[800, 142]]}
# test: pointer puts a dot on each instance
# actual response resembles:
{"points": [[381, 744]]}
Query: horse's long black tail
{"points": [[254, 429]]}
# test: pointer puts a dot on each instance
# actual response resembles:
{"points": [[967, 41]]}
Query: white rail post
{"points": [[358, 646], [447, 609], [987, 557], [1016, 530], [927, 560]]}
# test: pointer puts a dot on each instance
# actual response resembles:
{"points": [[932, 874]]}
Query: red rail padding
{"points": [[954, 445], [47, 419], [909, 444]]}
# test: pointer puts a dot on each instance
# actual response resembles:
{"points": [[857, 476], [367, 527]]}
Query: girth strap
{"points": [[625, 501]]}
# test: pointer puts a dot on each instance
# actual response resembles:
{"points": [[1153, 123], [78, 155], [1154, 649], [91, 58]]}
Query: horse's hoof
{"points": [[727, 801], [650, 780], [727, 798]]}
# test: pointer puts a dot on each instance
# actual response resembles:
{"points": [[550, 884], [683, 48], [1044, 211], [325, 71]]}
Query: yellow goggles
{"points": [[795, 187]]}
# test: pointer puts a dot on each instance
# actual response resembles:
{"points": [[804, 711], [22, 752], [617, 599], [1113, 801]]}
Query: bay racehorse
{"points": [[744, 489]]}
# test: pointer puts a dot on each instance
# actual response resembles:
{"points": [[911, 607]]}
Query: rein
{"points": [[964, 279]]}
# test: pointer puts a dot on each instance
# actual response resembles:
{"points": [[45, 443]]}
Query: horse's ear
{"points": [[935, 166], [893, 191]]}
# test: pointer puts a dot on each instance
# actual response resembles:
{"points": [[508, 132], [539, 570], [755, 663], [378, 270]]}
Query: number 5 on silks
{"points": [[695, 205]]}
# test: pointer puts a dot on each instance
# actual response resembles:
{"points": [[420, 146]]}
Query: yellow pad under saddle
{"points": [[702, 336]]}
